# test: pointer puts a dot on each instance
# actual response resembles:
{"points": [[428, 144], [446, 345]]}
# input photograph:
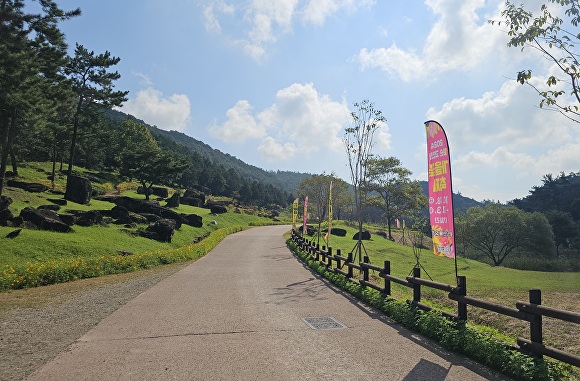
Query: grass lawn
{"points": [[37, 257]]}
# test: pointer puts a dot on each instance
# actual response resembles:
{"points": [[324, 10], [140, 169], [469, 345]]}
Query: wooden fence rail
{"points": [[531, 312]]}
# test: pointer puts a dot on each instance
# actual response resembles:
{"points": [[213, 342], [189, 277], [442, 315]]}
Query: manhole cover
{"points": [[323, 322]]}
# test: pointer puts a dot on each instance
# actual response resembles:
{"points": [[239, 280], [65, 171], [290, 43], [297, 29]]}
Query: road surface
{"points": [[249, 310]]}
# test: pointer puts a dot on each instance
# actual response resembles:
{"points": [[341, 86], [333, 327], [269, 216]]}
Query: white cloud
{"points": [[459, 40], [264, 21], [239, 126], [301, 121], [317, 11], [211, 20], [505, 143], [167, 113], [304, 116], [272, 151]]}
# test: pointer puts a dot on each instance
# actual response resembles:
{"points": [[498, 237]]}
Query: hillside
{"points": [[285, 180]]}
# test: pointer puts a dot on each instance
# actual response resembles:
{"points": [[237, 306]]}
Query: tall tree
{"points": [[143, 160], [359, 141], [317, 189], [32, 51], [497, 231], [557, 39], [397, 195], [93, 84], [564, 228]]}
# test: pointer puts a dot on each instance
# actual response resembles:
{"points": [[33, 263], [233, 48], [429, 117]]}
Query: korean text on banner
{"points": [[294, 213], [440, 192], [305, 215]]}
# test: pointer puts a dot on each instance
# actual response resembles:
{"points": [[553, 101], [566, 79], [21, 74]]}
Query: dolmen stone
{"points": [[173, 201], [44, 219], [218, 209], [365, 236], [193, 220], [29, 187], [78, 189], [161, 230]]}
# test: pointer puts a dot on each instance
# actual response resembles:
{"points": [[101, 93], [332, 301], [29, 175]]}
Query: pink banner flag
{"points": [[440, 192], [304, 217]]}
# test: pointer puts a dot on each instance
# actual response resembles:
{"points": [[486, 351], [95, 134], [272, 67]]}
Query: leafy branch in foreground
{"points": [[556, 39]]}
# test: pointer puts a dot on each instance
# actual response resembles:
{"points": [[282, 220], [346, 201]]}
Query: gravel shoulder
{"points": [[37, 324]]}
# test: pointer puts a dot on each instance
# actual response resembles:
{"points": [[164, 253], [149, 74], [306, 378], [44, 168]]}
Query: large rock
{"points": [[218, 209], [5, 216], [156, 191], [54, 207], [5, 213], [44, 219], [173, 201], [338, 232], [192, 201], [193, 220], [151, 207], [29, 187], [119, 211], [5, 202], [194, 193], [365, 236], [89, 218], [57, 201], [161, 230], [78, 189]]}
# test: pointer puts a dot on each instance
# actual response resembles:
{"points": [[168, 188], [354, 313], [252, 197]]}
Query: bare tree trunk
{"points": [[13, 157], [4, 128], [74, 136]]}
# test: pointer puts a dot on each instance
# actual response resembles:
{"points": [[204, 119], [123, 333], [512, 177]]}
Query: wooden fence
{"points": [[531, 311]]}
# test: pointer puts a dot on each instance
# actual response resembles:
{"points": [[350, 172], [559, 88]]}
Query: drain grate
{"points": [[322, 322]]}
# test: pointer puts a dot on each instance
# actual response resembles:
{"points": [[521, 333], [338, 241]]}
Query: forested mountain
{"points": [[560, 193], [460, 203], [285, 180]]}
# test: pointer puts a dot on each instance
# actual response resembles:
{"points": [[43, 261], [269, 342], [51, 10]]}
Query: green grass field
{"points": [[37, 257]]}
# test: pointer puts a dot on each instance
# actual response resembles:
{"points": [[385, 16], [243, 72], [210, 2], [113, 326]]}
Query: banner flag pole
{"points": [[305, 216], [441, 213], [327, 236]]}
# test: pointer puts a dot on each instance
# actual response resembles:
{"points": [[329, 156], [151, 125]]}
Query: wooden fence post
{"points": [[329, 256], [366, 269], [416, 286], [387, 271], [462, 290], [338, 260], [317, 252], [536, 322], [349, 261]]}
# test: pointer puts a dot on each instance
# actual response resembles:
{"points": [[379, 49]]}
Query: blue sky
{"points": [[272, 82]]}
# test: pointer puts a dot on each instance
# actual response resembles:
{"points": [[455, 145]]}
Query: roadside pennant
{"points": [[440, 191]]}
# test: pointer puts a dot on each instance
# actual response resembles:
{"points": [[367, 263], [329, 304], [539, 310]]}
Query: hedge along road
{"points": [[242, 313]]}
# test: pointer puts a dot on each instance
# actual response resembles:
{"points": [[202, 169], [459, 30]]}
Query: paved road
{"points": [[238, 314]]}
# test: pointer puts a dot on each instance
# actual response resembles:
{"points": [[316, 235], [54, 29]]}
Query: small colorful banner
{"points": [[327, 235], [440, 191], [294, 213], [304, 230]]}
